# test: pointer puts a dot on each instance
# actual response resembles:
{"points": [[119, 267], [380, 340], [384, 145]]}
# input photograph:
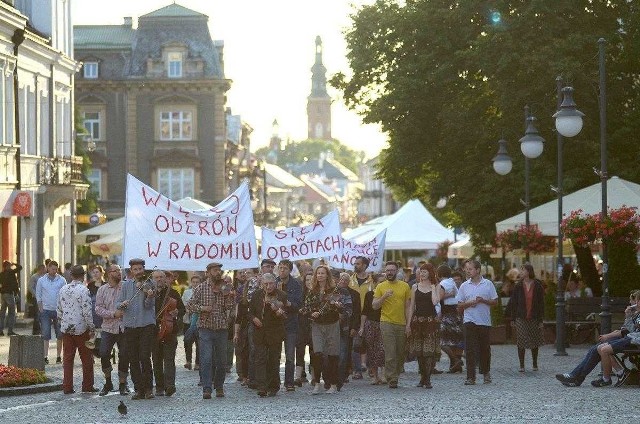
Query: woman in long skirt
{"points": [[370, 332], [423, 326], [527, 307], [451, 323]]}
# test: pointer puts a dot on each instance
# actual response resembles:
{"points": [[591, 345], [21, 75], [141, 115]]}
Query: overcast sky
{"points": [[268, 54]]}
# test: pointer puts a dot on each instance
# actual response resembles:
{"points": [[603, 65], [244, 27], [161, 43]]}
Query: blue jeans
{"points": [[47, 319], [592, 358], [107, 341], [213, 358], [8, 309], [290, 341]]}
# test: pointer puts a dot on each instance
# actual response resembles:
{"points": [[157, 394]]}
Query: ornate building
{"points": [[319, 102], [40, 178], [152, 98]]}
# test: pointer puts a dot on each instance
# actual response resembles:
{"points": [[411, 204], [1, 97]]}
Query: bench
{"points": [[632, 358]]}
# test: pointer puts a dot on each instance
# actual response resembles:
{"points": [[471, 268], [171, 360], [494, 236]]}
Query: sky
{"points": [[268, 54]]}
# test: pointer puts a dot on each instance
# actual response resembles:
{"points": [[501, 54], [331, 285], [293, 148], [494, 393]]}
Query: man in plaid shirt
{"points": [[214, 305]]}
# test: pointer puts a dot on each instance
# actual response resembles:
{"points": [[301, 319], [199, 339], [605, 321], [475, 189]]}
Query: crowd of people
{"points": [[351, 324]]}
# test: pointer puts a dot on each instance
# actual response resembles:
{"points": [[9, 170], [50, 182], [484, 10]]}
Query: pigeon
{"points": [[122, 409]]}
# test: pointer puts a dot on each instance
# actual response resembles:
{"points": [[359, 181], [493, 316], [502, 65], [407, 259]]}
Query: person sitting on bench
{"points": [[611, 343]]}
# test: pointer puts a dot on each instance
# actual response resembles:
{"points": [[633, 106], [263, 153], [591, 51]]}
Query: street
{"points": [[512, 397]]}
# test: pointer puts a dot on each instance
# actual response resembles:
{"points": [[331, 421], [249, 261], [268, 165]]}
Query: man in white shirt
{"points": [[76, 324], [47, 297], [475, 297]]}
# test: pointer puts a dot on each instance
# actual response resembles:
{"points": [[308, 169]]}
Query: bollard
{"points": [[26, 352]]}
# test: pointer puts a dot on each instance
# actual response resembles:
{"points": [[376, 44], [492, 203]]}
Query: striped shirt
{"points": [[106, 307], [204, 295]]}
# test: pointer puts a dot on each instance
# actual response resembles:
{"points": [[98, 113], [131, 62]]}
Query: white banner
{"points": [[318, 240], [171, 237], [373, 250]]}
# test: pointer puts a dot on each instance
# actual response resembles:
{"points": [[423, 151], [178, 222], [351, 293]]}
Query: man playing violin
{"points": [[267, 313], [214, 305], [169, 313], [137, 300]]}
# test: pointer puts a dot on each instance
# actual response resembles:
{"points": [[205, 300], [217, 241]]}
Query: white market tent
{"points": [[112, 233], [619, 193], [412, 227]]}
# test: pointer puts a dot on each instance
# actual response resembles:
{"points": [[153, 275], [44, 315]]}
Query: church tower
{"points": [[319, 102]]}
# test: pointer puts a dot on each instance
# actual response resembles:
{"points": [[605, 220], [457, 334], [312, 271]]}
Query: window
{"points": [[319, 130], [174, 67], [91, 121], [95, 180], [91, 70], [176, 183], [176, 126]]}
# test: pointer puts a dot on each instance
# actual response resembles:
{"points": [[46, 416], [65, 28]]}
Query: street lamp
{"points": [[531, 145], [568, 124]]}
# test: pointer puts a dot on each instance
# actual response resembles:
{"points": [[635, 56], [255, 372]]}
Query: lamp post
{"points": [[568, 124], [265, 213], [531, 145], [605, 314]]}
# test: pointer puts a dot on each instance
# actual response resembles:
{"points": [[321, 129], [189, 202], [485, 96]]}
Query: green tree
{"points": [[445, 79], [298, 152]]}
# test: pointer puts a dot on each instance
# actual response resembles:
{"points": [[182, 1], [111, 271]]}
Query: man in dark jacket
{"points": [[9, 289], [267, 313], [293, 288]]}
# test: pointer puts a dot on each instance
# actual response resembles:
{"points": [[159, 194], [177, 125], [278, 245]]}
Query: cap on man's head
{"points": [[214, 265], [268, 262], [6, 263], [136, 261], [77, 271]]}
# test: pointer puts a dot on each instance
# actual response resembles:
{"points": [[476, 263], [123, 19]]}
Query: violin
{"points": [[166, 317]]}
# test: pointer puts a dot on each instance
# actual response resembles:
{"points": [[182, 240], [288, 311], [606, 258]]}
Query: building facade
{"points": [[41, 177], [152, 99], [377, 200]]}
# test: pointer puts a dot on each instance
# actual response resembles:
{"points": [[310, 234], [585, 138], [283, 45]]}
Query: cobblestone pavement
{"points": [[512, 397]]}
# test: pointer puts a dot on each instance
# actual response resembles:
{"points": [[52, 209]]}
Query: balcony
{"points": [[62, 180]]}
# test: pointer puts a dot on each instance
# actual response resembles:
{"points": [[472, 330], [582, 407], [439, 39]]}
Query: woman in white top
{"points": [[451, 323]]}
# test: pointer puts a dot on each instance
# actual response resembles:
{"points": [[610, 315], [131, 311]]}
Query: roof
{"points": [[619, 193], [172, 10], [321, 191], [102, 37], [327, 167], [281, 178]]}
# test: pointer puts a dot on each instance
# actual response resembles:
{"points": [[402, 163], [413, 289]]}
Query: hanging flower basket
{"points": [[621, 225], [528, 238]]}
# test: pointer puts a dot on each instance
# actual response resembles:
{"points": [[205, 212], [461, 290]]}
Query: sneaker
{"points": [[290, 388], [601, 382], [159, 392], [357, 376], [46, 360], [188, 365], [487, 378], [568, 380], [170, 391], [58, 360], [219, 393], [206, 395], [469, 382], [622, 378], [317, 389], [393, 384], [149, 395], [332, 390], [196, 367], [137, 396]]}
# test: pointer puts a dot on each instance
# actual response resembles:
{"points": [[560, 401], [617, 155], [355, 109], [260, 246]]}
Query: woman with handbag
{"points": [[526, 306]]}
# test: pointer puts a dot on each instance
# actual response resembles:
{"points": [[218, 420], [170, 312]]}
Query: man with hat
{"points": [[214, 306], [137, 300], [76, 325], [9, 289]]}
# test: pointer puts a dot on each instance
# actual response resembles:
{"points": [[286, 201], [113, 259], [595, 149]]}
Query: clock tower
{"points": [[319, 102]]}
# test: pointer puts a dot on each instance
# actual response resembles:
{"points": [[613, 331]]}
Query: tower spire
{"points": [[319, 102]]}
